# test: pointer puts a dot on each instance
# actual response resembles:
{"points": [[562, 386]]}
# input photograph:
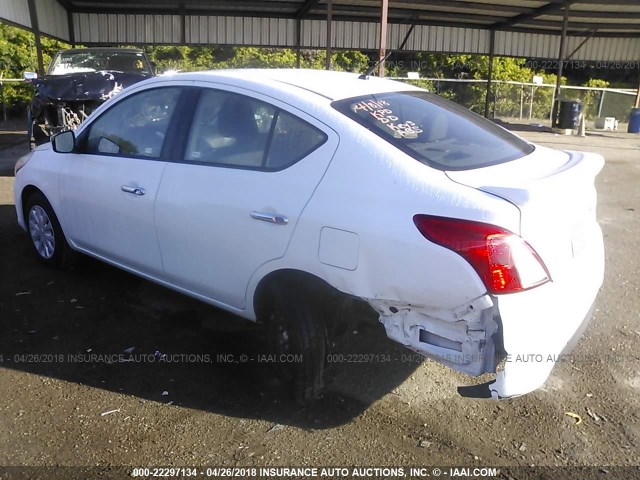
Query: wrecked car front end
{"points": [[63, 102]]}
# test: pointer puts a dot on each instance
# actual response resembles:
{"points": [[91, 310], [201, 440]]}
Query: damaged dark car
{"points": [[76, 83]]}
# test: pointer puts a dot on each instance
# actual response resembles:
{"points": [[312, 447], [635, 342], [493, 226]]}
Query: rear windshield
{"points": [[433, 130]]}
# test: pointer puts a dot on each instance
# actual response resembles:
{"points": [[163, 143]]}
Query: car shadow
{"points": [[96, 325]]}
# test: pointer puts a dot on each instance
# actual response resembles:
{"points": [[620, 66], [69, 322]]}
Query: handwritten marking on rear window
{"points": [[379, 109], [370, 105]]}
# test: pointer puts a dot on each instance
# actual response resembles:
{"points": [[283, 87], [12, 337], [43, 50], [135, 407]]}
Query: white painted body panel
{"points": [[373, 189], [540, 324], [100, 218], [43, 173], [206, 209], [556, 196], [350, 206]]}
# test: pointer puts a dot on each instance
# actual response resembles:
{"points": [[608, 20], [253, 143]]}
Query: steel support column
{"points": [[72, 30], [384, 14], [638, 97], [183, 24], [298, 41], [33, 14], [561, 58], [327, 60], [487, 98]]}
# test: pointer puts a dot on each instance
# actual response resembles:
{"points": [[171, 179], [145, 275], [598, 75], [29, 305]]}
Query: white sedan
{"points": [[280, 194]]}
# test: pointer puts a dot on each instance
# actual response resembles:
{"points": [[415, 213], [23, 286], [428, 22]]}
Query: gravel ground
{"points": [[58, 410]]}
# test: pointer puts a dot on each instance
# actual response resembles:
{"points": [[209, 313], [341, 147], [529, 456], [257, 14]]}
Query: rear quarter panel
{"points": [[373, 190]]}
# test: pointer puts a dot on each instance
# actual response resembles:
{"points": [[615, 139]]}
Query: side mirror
{"points": [[154, 68], [64, 142], [30, 76]]}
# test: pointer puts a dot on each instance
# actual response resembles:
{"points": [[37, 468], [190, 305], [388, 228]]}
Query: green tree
{"points": [[196, 58], [591, 98], [505, 98], [17, 55]]}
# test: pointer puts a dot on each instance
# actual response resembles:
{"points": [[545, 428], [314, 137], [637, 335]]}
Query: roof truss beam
{"points": [[582, 14], [306, 8], [523, 17], [610, 2], [585, 25], [408, 13], [455, 5]]}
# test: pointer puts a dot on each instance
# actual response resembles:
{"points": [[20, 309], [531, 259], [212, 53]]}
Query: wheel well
{"points": [[26, 193], [309, 283], [339, 310]]}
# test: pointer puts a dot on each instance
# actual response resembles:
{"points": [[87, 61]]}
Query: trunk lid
{"points": [[555, 193]]}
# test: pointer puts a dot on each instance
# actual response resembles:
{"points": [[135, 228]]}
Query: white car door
{"points": [[230, 203], [108, 188]]}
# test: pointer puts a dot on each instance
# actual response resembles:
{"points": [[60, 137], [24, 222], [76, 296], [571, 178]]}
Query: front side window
{"points": [[435, 131], [235, 130], [135, 126]]}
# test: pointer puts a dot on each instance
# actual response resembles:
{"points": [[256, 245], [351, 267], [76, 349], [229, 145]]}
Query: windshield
{"points": [[434, 131], [93, 61]]}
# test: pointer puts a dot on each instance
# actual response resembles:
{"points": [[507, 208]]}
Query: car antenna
{"points": [[365, 76]]}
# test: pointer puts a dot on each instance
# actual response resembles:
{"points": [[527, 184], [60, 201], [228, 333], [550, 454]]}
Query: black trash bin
{"points": [[569, 114]]}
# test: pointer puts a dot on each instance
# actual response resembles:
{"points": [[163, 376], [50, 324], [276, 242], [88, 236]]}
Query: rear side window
{"points": [[435, 131], [235, 130], [229, 129], [292, 140]]}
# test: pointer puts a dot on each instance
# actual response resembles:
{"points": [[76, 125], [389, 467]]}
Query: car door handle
{"points": [[271, 218], [135, 190]]}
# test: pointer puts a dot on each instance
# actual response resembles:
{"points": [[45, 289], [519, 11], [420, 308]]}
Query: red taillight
{"points": [[502, 259]]}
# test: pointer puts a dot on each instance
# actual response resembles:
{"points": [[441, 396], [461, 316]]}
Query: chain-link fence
{"points": [[528, 102], [509, 101]]}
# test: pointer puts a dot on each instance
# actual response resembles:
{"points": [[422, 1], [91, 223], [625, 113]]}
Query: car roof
{"points": [[329, 84], [101, 49]]}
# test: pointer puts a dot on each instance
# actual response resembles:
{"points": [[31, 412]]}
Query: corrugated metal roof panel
{"points": [[121, 29], [205, 30], [605, 7], [278, 32], [15, 12], [354, 32], [519, 44], [52, 19]]}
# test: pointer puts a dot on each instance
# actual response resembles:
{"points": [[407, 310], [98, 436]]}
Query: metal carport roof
{"points": [[589, 29], [524, 28]]}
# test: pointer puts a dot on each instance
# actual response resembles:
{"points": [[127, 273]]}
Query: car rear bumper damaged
{"points": [[520, 337], [466, 338]]}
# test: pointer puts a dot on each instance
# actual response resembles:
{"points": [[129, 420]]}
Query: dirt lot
{"points": [[196, 412]]}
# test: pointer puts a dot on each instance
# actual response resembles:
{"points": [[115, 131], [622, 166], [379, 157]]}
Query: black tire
{"points": [[45, 233], [294, 329]]}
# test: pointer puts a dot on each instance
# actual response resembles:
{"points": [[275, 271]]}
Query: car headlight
{"points": [[22, 161]]}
